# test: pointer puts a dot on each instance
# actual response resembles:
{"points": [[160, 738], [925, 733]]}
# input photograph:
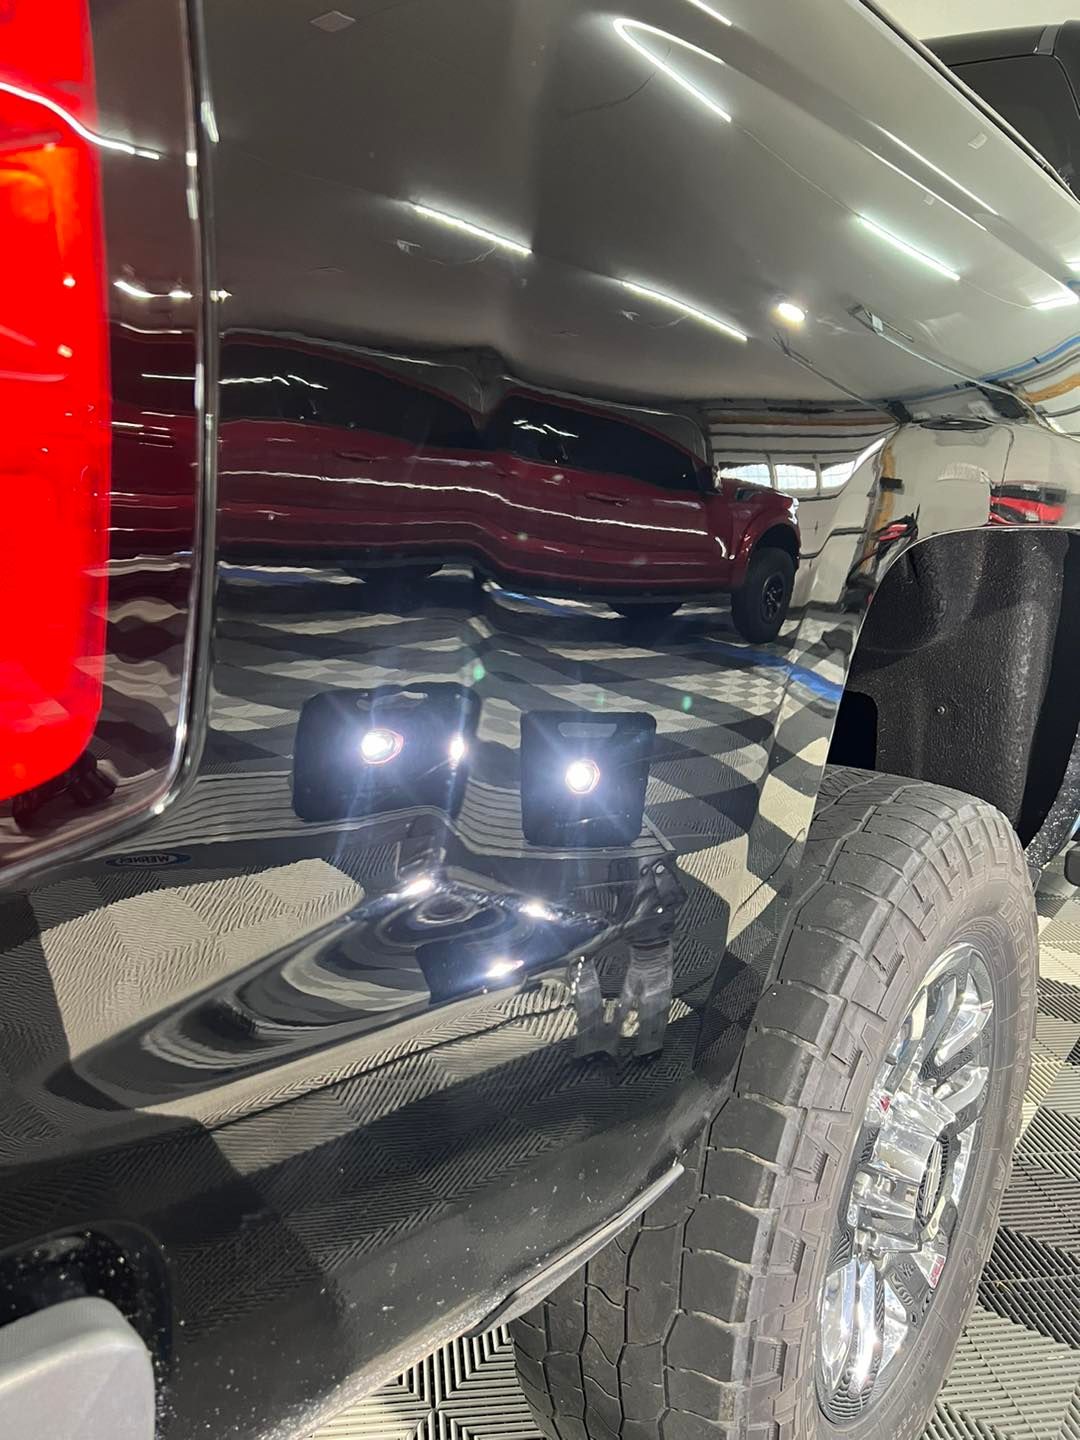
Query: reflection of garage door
{"points": [[1017, 1369]]}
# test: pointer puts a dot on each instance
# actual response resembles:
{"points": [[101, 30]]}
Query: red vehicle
{"points": [[531, 490], [153, 434], [619, 506], [1027, 505]]}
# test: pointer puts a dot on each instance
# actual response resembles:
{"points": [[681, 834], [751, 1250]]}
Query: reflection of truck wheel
{"points": [[393, 577], [805, 1276], [760, 606], [647, 611]]}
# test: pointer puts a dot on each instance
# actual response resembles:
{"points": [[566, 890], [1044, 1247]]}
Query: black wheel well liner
{"points": [[779, 537], [965, 674]]}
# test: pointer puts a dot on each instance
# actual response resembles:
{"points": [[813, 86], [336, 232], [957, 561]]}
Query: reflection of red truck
{"points": [[1027, 505], [554, 497], [152, 442], [612, 504]]}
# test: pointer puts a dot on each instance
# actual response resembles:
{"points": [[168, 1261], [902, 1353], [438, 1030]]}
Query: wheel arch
{"points": [[964, 674], [778, 536]]}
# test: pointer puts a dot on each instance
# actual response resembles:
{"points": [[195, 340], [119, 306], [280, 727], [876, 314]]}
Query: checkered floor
{"points": [[1016, 1375], [742, 732]]}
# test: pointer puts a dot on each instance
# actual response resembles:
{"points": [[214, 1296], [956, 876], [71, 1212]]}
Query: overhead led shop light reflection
{"points": [[106, 142], [478, 232], [138, 293], [691, 310], [1057, 302], [630, 30], [911, 251], [936, 169], [790, 313], [933, 195], [714, 14]]}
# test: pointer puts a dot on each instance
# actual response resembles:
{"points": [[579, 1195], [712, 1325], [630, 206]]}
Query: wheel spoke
{"points": [[908, 1043], [909, 1176], [866, 1347], [962, 1090], [837, 1322], [942, 1013], [969, 1020], [914, 1278], [895, 1330], [852, 1311], [965, 1141]]}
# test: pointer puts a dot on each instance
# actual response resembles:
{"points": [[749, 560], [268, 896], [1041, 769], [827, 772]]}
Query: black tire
{"points": [[648, 612], [395, 574], [760, 606], [393, 580], [700, 1321]]}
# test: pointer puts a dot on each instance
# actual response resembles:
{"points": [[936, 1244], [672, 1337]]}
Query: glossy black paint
{"points": [[355, 1050], [1031, 76]]}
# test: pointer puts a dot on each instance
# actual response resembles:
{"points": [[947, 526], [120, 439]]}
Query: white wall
{"points": [[955, 17]]}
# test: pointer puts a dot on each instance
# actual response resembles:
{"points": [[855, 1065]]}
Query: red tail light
{"points": [[54, 394]]}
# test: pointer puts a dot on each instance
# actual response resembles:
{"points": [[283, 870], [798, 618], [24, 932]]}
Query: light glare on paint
{"points": [[790, 313], [629, 30], [715, 14], [455, 222], [910, 250], [937, 169], [499, 969], [1057, 302], [691, 310]]}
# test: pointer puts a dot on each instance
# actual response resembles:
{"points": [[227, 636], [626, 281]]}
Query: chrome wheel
{"points": [[907, 1186]]}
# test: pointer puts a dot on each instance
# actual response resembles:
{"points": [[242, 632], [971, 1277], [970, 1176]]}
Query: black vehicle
{"points": [[1031, 76], [387, 956]]}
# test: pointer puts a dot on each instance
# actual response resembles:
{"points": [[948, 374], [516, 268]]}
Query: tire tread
{"points": [[882, 857]]}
